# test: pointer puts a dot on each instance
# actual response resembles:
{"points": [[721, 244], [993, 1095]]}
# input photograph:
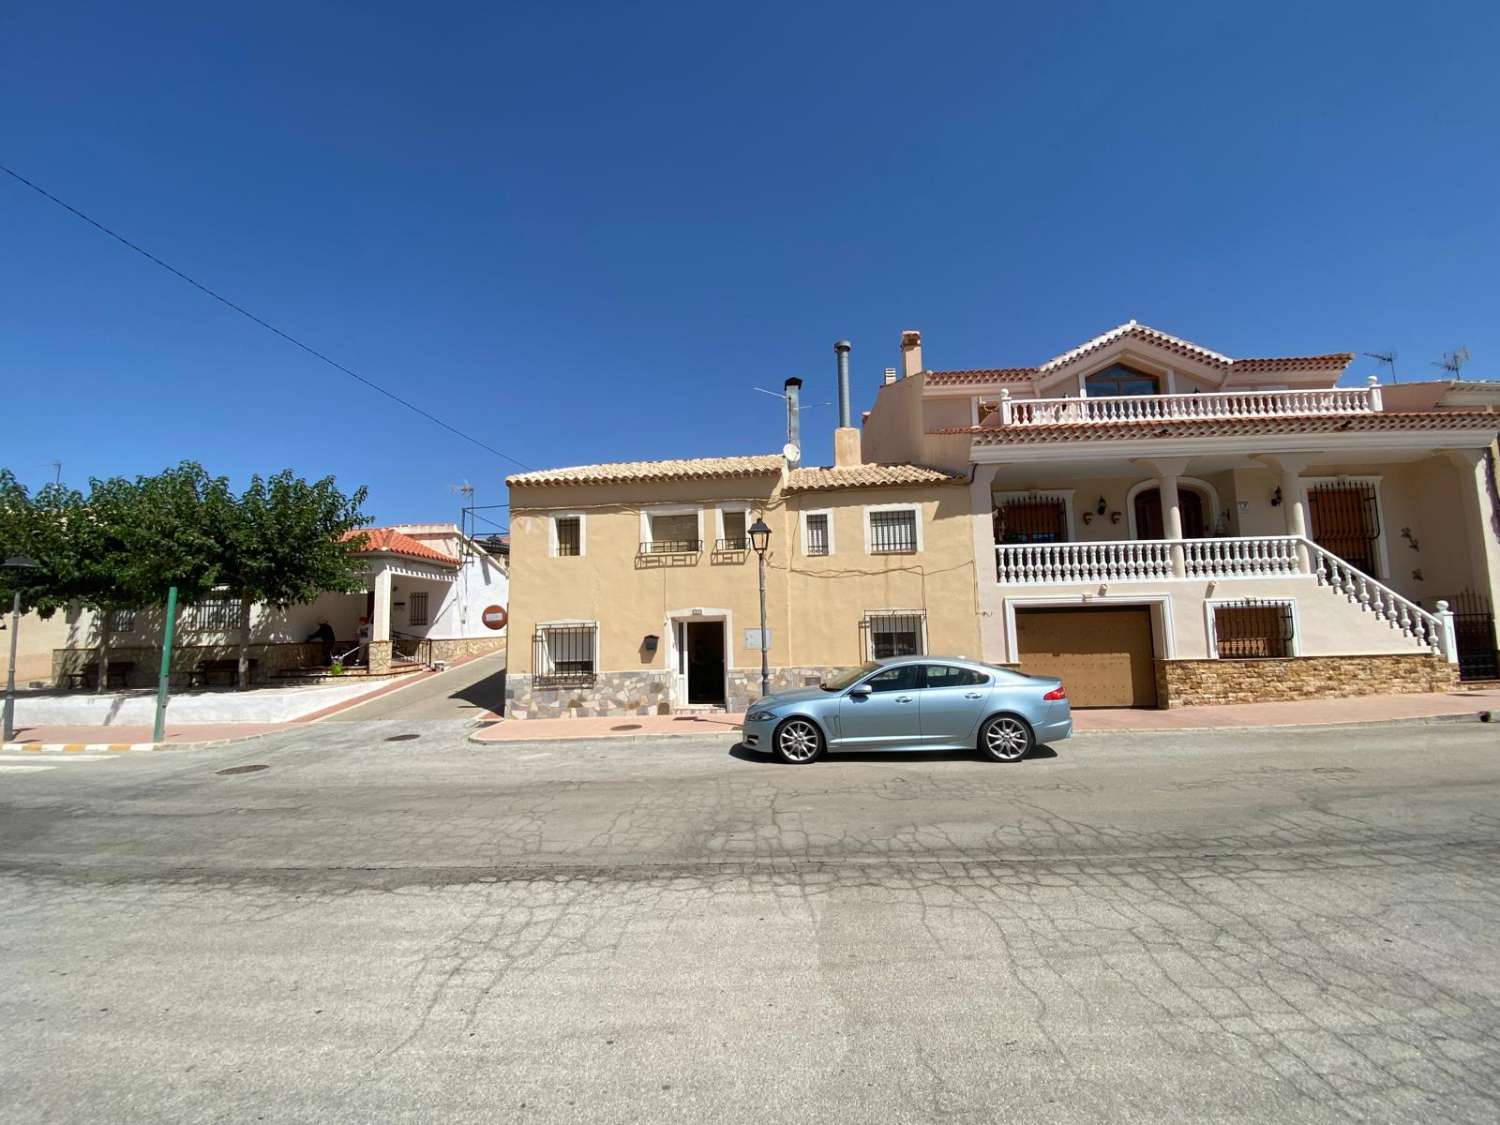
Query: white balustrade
{"points": [[1270, 556], [1330, 402]]}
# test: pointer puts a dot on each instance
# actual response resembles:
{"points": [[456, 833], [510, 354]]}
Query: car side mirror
{"points": [[859, 691]]}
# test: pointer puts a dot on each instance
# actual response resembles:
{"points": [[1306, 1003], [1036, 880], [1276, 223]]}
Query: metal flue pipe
{"points": [[841, 349], [792, 391]]}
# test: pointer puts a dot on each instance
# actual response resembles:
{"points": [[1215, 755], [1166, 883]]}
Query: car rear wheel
{"points": [[797, 742], [1006, 738]]}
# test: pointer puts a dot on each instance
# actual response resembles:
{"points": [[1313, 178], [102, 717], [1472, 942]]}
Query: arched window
{"points": [[1117, 379]]}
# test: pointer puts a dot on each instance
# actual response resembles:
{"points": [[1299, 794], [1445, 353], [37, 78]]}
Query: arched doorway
{"points": [[1148, 514]]}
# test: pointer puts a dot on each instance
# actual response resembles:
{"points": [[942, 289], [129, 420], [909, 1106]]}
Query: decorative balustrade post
{"points": [[1005, 406], [1447, 637], [1374, 385]]}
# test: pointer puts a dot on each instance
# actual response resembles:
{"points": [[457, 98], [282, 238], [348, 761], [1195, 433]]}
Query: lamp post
{"points": [[20, 562], [760, 539]]}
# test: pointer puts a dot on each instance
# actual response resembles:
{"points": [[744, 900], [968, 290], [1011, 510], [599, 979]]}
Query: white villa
{"points": [[1161, 524]]}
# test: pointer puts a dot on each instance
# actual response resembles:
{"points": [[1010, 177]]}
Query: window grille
{"points": [[122, 621], [893, 533], [673, 535], [1345, 519], [894, 634], [1251, 630], [569, 535], [217, 615], [1034, 519], [416, 608], [564, 655], [817, 534]]}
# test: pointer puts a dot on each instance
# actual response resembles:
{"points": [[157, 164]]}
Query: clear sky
{"points": [[585, 232]]}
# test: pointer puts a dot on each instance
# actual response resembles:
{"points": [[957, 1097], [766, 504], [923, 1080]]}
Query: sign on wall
{"points": [[494, 616], [755, 642]]}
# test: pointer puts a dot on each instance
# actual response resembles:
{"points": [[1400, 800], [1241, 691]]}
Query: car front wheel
{"points": [[797, 742], [1006, 738]]}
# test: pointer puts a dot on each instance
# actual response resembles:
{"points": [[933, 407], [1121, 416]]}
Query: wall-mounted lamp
{"points": [[648, 645], [1276, 497], [1101, 507]]}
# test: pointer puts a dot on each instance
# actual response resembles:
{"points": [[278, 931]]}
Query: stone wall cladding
{"points": [[641, 693], [1188, 683], [269, 660], [456, 648]]}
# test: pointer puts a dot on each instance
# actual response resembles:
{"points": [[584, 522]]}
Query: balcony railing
{"points": [[671, 546], [1334, 402]]}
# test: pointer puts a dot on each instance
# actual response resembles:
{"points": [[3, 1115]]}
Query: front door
{"points": [[889, 718], [702, 660], [1345, 519], [1148, 514]]}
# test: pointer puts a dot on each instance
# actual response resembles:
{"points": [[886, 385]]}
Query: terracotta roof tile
{"points": [[389, 541], [866, 476], [980, 376], [1226, 427], [697, 468]]}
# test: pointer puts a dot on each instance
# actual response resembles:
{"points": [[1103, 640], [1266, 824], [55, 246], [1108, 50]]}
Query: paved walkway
{"points": [[467, 690], [1307, 712], [128, 735]]}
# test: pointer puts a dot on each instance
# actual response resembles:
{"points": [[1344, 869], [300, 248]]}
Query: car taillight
{"points": [[1059, 692]]}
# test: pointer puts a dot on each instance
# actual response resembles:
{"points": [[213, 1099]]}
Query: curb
{"points": [[1352, 724], [123, 747]]}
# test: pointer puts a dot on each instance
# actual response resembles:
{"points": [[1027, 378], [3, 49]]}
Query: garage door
{"points": [[1104, 656]]}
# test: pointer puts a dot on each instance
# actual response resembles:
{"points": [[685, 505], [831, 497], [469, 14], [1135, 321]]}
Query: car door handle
{"points": [[973, 695], [903, 699]]}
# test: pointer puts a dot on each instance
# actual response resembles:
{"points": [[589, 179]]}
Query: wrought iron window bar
{"points": [[671, 547], [564, 655]]}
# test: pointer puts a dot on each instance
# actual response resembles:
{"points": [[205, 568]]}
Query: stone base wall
{"points": [[1188, 683], [641, 693], [456, 648], [269, 660], [378, 657]]}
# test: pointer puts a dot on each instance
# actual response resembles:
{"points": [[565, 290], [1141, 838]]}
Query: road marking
{"points": [[25, 767], [49, 762]]}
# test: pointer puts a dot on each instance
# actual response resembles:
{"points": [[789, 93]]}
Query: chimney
{"points": [[911, 353], [793, 391], [890, 375], [846, 438], [841, 349]]}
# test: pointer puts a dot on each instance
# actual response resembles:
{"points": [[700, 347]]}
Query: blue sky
{"points": [[584, 233]]}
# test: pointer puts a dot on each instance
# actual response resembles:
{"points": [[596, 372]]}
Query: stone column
{"points": [[1481, 518], [379, 652], [1293, 504]]}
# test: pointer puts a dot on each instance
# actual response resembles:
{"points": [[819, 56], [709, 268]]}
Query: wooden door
{"points": [[1344, 519], [1103, 655], [1148, 515]]}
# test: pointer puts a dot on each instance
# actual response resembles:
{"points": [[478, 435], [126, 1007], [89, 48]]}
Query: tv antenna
{"points": [[1387, 358], [1453, 362]]}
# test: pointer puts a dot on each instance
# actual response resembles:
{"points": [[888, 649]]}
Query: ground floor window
{"points": [[894, 634], [1252, 629], [216, 615], [416, 608], [565, 655]]}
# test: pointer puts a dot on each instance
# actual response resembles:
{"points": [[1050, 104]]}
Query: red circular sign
{"points": [[494, 616]]}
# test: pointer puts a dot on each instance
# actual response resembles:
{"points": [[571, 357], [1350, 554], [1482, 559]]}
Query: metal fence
{"points": [[1474, 636]]}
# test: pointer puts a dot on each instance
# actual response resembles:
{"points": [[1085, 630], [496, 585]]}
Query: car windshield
{"points": [[848, 679]]}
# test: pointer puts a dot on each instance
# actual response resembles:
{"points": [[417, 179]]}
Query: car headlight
{"points": [[760, 716]]}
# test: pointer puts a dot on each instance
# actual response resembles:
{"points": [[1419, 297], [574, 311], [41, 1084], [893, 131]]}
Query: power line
{"points": [[143, 252]]}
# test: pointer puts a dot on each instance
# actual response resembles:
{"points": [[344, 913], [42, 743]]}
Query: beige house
{"points": [[1158, 523], [635, 586], [1162, 524]]}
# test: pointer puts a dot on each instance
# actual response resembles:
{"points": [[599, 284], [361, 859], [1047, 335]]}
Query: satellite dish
{"points": [[791, 452]]}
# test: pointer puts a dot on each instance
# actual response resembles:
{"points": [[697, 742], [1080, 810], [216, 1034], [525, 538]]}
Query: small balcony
{"points": [[1333, 402]]}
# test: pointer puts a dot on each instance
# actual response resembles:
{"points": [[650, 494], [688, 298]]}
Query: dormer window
{"points": [[1117, 379]]}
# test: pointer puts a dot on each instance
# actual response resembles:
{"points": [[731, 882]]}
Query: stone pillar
{"points": [[380, 657], [1293, 503], [1481, 517]]}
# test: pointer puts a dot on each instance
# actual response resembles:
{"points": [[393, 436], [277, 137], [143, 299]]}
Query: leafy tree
{"points": [[285, 542]]}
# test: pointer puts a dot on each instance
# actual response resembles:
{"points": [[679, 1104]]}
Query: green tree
{"points": [[285, 542]]}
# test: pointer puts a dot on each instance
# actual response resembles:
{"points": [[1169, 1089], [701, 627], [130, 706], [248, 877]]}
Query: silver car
{"points": [[913, 703]]}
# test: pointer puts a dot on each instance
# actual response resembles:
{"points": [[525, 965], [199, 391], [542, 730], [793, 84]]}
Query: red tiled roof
{"points": [[1295, 363], [389, 541], [980, 375], [1228, 427], [697, 468], [865, 476]]}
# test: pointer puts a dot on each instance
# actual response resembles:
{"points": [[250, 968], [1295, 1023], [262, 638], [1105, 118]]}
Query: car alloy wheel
{"points": [[1006, 738], [798, 741]]}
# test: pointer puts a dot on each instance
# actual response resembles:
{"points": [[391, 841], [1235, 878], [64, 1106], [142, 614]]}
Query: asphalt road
{"points": [[1229, 927], [465, 692]]}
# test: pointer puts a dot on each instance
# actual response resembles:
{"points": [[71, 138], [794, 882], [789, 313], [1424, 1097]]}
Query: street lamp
{"points": [[19, 562], [760, 539]]}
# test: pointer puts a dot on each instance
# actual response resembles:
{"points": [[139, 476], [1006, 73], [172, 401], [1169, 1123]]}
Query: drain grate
{"points": [[402, 737], [242, 769]]}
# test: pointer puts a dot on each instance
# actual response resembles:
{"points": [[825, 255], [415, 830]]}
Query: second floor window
{"points": [[569, 531], [1031, 519], [816, 542], [1117, 379], [675, 533], [893, 532], [734, 530]]}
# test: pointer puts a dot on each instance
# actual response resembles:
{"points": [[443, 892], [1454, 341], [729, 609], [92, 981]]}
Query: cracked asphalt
{"points": [[1235, 926]]}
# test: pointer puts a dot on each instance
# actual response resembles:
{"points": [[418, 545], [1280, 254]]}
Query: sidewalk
{"points": [[75, 739], [1298, 713]]}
